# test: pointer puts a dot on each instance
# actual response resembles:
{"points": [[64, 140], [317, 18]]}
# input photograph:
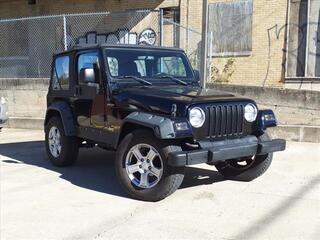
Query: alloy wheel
{"points": [[54, 141], [144, 166]]}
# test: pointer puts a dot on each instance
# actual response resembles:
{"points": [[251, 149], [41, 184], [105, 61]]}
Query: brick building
{"points": [[251, 42]]}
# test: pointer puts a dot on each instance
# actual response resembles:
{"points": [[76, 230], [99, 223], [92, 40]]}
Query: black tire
{"points": [[171, 178], [69, 145], [231, 170]]}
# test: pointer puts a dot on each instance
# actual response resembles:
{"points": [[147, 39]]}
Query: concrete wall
{"points": [[26, 101], [297, 111], [292, 107]]}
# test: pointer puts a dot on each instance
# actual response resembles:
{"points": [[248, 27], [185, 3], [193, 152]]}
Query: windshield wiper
{"points": [[140, 80], [177, 80]]}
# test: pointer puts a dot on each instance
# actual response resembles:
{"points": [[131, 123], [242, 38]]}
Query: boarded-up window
{"points": [[230, 25]]}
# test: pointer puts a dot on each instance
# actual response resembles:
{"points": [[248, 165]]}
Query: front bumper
{"points": [[215, 152]]}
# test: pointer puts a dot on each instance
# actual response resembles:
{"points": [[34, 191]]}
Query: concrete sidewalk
{"points": [[39, 201]]}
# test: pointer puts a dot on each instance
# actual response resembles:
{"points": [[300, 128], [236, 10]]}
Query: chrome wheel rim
{"points": [[54, 141], [144, 166]]}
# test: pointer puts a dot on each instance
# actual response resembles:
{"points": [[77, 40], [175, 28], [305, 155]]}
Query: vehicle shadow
{"points": [[94, 168]]}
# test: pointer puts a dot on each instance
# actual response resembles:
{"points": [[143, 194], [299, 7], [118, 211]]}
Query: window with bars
{"points": [[303, 46], [230, 28]]}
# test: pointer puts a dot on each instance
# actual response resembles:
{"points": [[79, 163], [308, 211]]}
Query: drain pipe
{"points": [[204, 45]]}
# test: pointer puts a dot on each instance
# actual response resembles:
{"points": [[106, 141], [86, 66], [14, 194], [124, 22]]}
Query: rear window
{"points": [[60, 74]]}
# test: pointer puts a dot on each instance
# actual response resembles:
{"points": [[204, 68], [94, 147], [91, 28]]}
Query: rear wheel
{"points": [[62, 150], [142, 169], [247, 168]]}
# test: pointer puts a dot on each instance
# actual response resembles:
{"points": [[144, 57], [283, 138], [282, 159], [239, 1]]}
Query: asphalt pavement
{"points": [[39, 201]]}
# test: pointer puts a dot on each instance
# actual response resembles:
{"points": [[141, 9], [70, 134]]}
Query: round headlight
{"points": [[250, 112], [197, 117]]}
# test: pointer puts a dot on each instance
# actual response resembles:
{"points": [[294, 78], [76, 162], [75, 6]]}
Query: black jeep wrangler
{"points": [[147, 105]]}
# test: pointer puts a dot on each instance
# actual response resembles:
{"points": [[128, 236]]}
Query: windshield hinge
{"points": [[174, 110]]}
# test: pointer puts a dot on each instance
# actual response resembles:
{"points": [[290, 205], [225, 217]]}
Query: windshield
{"points": [[152, 65]]}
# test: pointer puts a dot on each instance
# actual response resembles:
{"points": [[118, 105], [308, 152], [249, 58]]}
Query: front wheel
{"points": [[142, 169], [247, 168]]}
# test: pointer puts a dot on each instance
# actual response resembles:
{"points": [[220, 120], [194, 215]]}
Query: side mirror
{"points": [[196, 75], [87, 75]]}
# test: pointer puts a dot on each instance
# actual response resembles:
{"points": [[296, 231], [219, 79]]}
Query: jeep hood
{"points": [[160, 99]]}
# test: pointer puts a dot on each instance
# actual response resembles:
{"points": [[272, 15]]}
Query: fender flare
{"points": [[65, 113], [161, 126], [265, 119]]}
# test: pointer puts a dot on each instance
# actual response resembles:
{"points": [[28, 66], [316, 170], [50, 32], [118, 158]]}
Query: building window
{"points": [[303, 48], [230, 28], [60, 75], [171, 25], [171, 15]]}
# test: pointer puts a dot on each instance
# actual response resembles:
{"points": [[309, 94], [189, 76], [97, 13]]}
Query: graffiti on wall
{"points": [[300, 50], [297, 41], [122, 36], [148, 37]]}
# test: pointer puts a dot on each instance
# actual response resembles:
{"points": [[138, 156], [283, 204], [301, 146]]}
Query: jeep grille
{"points": [[225, 120]]}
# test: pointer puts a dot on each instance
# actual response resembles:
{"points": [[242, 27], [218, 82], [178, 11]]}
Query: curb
{"points": [[296, 133]]}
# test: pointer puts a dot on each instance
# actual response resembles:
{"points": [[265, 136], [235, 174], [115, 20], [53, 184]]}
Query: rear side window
{"points": [[60, 75]]}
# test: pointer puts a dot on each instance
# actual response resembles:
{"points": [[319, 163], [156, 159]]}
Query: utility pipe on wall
{"points": [[204, 44]]}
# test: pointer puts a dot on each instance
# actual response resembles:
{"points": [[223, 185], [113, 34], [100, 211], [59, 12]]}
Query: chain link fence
{"points": [[188, 39], [27, 44]]}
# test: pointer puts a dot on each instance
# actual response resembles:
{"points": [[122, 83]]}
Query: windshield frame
{"points": [[117, 79]]}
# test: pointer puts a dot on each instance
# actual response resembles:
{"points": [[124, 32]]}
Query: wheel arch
{"points": [[129, 127], [162, 127], [62, 110]]}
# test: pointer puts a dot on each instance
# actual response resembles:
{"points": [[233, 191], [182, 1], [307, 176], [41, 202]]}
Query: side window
{"points": [[113, 66], [87, 60], [60, 75]]}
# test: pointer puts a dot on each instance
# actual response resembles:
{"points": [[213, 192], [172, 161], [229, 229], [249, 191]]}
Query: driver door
{"points": [[90, 103]]}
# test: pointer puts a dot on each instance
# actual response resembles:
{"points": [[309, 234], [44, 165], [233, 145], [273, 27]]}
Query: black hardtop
{"points": [[84, 47]]}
